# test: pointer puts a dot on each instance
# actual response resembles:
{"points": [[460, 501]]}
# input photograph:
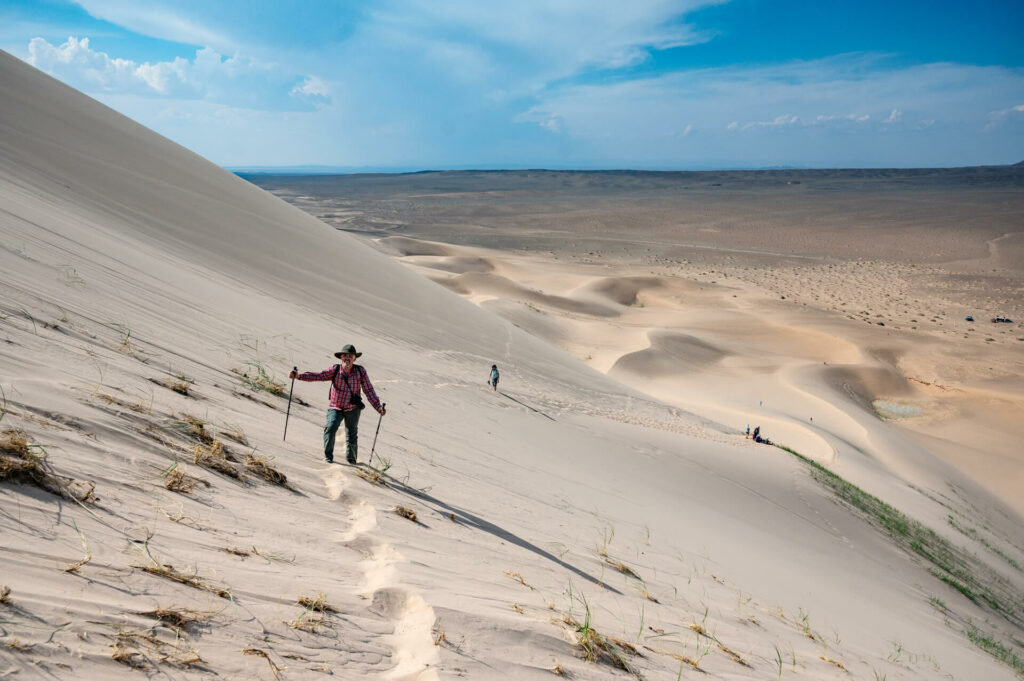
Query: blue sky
{"points": [[655, 84]]}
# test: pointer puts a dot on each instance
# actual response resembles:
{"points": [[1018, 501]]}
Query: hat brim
{"points": [[339, 354]]}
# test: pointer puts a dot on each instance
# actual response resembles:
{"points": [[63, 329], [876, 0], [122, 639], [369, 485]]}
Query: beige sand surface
{"points": [[130, 267]]}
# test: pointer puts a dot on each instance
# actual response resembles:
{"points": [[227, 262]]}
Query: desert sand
{"points": [[154, 523]]}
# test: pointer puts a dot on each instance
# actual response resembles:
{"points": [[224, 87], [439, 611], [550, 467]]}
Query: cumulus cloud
{"points": [[209, 76]]}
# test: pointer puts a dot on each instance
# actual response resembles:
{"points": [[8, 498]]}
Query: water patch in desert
{"points": [[889, 409]]}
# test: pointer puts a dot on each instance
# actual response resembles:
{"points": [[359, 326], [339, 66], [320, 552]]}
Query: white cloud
{"points": [[777, 122], [733, 125], [1019, 107], [167, 22], [209, 76], [894, 116], [687, 130]]}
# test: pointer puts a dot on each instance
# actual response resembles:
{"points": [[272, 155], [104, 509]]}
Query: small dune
{"points": [[671, 353]]}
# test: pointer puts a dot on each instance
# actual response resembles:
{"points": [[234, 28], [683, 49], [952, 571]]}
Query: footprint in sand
{"points": [[413, 651]]}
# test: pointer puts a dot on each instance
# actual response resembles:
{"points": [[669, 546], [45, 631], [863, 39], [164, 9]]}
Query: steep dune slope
{"points": [[149, 299]]}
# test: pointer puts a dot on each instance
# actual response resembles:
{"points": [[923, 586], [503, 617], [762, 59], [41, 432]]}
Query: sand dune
{"points": [[669, 354], [149, 303]]}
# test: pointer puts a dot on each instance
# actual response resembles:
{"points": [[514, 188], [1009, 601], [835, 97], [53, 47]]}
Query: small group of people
{"points": [[757, 435]]}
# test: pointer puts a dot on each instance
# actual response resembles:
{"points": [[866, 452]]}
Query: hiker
{"points": [[493, 381], [347, 380], [748, 431], [757, 433]]}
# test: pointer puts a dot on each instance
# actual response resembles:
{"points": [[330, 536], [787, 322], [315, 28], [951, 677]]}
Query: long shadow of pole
{"points": [[523, 404], [479, 523]]}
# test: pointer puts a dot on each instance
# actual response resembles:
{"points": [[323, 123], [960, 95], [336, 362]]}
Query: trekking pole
{"points": [[383, 405], [288, 413]]}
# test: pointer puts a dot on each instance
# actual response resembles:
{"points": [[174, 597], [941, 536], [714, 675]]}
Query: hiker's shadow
{"points": [[524, 404], [466, 518]]}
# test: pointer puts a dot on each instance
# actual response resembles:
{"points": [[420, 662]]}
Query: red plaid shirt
{"points": [[344, 385]]}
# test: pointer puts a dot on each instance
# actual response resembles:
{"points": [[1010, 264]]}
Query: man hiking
{"points": [[347, 380], [493, 381]]}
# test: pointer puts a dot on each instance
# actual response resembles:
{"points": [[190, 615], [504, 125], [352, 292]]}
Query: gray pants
{"points": [[334, 421]]}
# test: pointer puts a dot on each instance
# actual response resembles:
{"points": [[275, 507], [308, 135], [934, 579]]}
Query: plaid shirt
{"points": [[344, 385]]}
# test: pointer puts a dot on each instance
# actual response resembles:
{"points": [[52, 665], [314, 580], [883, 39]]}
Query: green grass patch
{"points": [[995, 648], [952, 565]]}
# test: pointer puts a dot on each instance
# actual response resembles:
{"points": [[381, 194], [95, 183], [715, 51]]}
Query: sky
{"points": [[647, 84]]}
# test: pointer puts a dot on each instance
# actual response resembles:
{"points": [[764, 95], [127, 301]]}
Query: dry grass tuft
{"points": [[519, 578], [734, 656], [831, 661], [215, 458], [238, 552], [5, 595], [261, 467], [177, 480], [21, 464], [622, 567], [134, 649], [371, 475], [316, 603], [676, 656], [558, 670], [310, 622], [15, 644], [700, 630], [236, 434], [407, 513], [130, 658], [596, 647], [439, 637], [195, 428], [518, 608], [137, 407], [168, 572], [262, 653], [177, 618]]}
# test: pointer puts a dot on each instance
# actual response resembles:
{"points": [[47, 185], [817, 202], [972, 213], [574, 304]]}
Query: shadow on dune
{"points": [[466, 518], [535, 411]]}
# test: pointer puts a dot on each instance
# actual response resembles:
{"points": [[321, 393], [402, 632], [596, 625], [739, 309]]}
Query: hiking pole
{"points": [[289, 412], [384, 405]]}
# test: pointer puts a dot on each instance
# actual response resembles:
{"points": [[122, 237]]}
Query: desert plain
{"points": [[600, 516]]}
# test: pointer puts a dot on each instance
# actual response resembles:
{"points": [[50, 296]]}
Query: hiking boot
{"points": [[328, 459], [350, 460]]}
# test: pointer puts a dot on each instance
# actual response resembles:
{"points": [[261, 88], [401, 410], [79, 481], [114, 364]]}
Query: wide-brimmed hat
{"points": [[348, 349]]}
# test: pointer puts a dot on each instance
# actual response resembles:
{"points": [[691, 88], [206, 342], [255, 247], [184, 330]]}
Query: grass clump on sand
{"points": [[275, 670], [168, 572], [406, 513], [257, 378], [178, 619], [195, 428], [5, 595], [177, 479], [25, 463], [317, 603], [260, 466], [595, 647], [215, 458]]}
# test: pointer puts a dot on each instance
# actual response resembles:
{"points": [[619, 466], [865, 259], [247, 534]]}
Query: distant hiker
{"points": [[347, 380], [748, 431], [494, 377], [757, 433]]}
